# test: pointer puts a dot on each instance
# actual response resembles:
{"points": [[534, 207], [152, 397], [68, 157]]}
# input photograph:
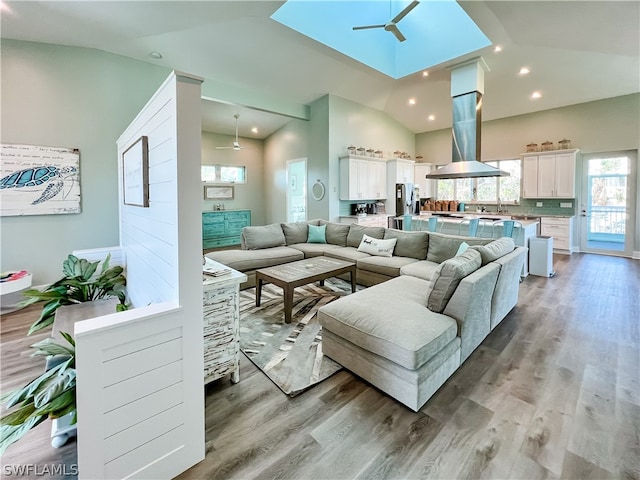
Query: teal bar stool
{"points": [[406, 222], [433, 224], [508, 227], [472, 230]]}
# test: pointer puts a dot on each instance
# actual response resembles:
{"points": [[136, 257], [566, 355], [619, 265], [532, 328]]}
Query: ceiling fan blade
{"points": [[365, 27], [394, 29], [404, 12], [223, 148]]}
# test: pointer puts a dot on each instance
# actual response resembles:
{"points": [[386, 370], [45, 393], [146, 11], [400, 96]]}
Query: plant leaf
{"points": [[105, 264], [58, 403], [19, 415], [54, 388], [49, 346], [26, 392], [10, 434]]}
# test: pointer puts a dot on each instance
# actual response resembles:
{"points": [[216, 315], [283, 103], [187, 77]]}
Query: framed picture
{"points": [[218, 193], [135, 173]]}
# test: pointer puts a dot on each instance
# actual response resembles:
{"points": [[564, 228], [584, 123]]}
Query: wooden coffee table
{"points": [[295, 274]]}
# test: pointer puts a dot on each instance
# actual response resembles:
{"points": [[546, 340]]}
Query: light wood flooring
{"points": [[553, 392]]}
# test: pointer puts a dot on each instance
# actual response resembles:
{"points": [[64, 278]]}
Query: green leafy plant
{"points": [[79, 284], [51, 395]]}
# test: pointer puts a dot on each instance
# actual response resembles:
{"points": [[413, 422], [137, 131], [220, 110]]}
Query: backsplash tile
{"points": [[527, 206]]}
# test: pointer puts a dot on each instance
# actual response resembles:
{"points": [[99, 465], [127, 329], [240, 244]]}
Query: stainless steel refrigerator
{"points": [[405, 199]]}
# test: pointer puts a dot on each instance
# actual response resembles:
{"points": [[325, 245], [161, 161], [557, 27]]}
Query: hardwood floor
{"points": [[553, 392]]}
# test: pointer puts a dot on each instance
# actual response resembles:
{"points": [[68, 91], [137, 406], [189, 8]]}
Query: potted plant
{"points": [[53, 394], [78, 285]]}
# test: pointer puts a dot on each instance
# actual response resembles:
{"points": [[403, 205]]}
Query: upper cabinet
{"points": [[362, 179], [549, 174], [427, 187], [400, 171]]}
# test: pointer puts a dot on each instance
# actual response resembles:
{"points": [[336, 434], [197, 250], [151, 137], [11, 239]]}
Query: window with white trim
{"points": [[484, 189], [223, 174]]}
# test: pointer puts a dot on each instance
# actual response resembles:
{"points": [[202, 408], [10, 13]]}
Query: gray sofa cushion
{"points": [[494, 250], [423, 269], [389, 266], [357, 231], [336, 233], [246, 260], [443, 247], [409, 244], [348, 254], [295, 232], [447, 277], [411, 338], [315, 249], [265, 236]]}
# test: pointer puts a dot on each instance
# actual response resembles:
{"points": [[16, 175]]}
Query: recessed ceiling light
{"points": [[254, 130], [431, 117], [156, 55], [412, 101], [535, 95], [497, 49], [425, 74], [524, 71]]}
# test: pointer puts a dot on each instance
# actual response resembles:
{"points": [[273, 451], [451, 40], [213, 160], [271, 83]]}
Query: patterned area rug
{"points": [[289, 354]]}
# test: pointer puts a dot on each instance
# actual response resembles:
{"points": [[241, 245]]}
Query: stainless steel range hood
{"points": [[467, 85]]}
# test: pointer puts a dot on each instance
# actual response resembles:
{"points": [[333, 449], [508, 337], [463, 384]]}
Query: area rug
{"points": [[289, 354]]}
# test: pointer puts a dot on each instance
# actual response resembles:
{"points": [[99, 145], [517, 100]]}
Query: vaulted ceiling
{"points": [[576, 51]]}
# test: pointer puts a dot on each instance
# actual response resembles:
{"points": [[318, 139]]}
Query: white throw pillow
{"points": [[375, 246]]}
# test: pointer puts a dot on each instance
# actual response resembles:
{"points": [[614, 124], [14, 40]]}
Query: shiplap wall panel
{"points": [[129, 347], [129, 366], [118, 445], [140, 372], [142, 409], [146, 455], [137, 387]]}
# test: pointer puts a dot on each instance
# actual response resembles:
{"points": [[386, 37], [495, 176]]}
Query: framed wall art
{"points": [[39, 180], [135, 173], [218, 193]]}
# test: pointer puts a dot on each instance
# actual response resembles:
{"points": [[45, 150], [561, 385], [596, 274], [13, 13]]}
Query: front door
{"points": [[607, 212]]}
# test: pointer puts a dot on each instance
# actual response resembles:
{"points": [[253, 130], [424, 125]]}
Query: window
{"points": [[486, 189], [223, 174]]}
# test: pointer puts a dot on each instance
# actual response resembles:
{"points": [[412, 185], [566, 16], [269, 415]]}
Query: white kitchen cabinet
{"points": [[400, 170], [362, 179], [561, 229], [427, 187], [549, 174]]}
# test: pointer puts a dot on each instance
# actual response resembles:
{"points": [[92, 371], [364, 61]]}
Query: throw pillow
{"points": [[375, 246], [462, 248], [448, 276], [295, 232], [265, 236], [410, 244], [317, 234], [494, 250]]}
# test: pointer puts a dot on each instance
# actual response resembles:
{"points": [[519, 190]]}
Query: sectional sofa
{"points": [[432, 299]]}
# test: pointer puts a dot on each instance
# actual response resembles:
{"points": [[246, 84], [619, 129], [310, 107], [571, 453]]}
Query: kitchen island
{"points": [[457, 223]]}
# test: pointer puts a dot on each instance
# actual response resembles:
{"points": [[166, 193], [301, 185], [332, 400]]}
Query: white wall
{"points": [[246, 196], [73, 97]]}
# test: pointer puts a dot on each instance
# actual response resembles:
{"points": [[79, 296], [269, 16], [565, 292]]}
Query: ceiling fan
{"points": [[236, 144], [391, 26]]}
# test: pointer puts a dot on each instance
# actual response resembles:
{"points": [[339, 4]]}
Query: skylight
{"points": [[436, 31]]}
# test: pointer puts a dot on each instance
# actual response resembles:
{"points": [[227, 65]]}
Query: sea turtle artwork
{"points": [[36, 176]]}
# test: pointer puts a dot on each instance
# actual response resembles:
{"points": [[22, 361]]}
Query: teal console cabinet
{"points": [[223, 228]]}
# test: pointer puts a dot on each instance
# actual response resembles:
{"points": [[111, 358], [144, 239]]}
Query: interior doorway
{"points": [[297, 190], [607, 207]]}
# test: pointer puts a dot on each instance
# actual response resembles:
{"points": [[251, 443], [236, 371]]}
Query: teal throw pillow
{"points": [[462, 248], [317, 234]]}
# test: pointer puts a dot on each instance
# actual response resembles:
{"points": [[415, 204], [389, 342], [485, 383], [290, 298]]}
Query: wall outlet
{"points": [[566, 205], [538, 204]]}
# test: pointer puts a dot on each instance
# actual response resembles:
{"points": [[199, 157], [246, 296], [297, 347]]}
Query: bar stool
{"points": [[508, 227], [433, 224], [473, 226]]}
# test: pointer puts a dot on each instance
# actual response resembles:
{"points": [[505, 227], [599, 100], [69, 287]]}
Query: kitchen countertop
{"points": [[460, 216]]}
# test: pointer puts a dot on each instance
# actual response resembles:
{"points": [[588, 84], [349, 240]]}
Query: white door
{"points": [[297, 190], [607, 211]]}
